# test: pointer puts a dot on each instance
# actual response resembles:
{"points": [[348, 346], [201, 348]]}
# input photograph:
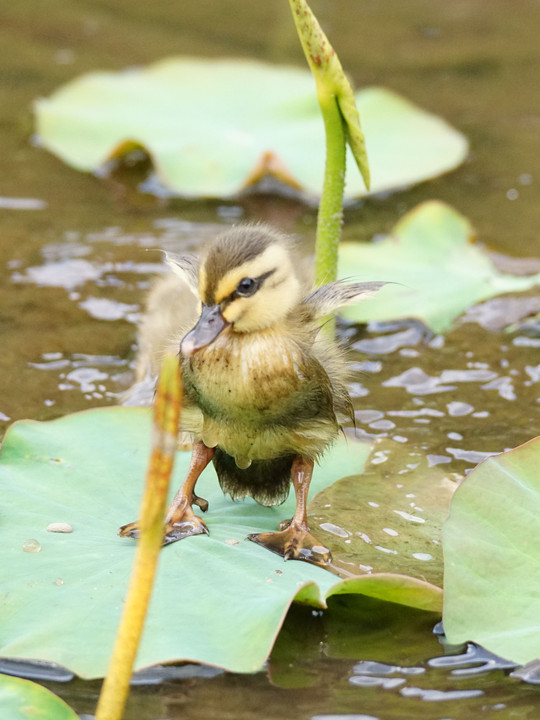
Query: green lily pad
{"points": [[213, 127], [440, 271], [218, 599], [25, 700], [491, 546]]}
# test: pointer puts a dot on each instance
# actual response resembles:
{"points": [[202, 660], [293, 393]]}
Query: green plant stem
{"points": [[342, 126], [330, 216], [115, 689]]}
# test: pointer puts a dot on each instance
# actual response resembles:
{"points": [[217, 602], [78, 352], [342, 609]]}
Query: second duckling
{"points": [[265, 392]]}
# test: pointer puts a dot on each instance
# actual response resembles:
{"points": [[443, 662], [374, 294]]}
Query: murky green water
{"points": [[76, 265]]}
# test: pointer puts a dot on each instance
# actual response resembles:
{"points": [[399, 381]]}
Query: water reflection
{"points": [[390, 343], [19, 203], [98, 377], [471, 456], [347, 716], [106, 309], [439, 695], [474, 661]]}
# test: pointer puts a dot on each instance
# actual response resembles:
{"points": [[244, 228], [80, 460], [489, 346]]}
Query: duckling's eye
{"points": [[246, 287]]}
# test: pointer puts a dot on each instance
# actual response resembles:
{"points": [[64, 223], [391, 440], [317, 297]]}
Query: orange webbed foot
{"points": [[294, 543], [181, 522]]}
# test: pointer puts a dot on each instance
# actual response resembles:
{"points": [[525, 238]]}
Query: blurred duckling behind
{"points": [[265, 393]]}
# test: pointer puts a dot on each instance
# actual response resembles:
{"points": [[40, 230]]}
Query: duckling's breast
{"points": [[261, 395]]}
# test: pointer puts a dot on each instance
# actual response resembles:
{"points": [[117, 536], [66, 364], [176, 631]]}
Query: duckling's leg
{"points": [[181, 521], [295, 541]]}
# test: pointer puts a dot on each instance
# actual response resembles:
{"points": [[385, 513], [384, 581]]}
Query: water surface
{"points": [[79, 254]]}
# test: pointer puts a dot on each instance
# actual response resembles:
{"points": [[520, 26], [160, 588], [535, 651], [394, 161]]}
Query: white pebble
{"points": [[60, 527]]}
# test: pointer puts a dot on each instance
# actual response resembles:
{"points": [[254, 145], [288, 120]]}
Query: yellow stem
{"points": [[166, 414]]}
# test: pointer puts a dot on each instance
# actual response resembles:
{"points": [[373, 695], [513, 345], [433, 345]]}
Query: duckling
{"points": [[265, 392]]}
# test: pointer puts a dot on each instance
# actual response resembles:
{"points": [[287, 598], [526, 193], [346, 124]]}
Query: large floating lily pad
{"points": [[213, 127], [25, 700], [440, 270], [219, 599], [492, 556]]}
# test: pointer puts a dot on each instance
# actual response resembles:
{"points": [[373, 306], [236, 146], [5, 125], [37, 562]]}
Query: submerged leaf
{"points": [[211, 131], [218, 599], [22, 699], [390, 518], [492, 556], [439, 271]]}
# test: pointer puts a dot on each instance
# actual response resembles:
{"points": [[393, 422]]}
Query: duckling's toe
{"points": [[130, 530], [294, 544], [181, 529], [199, 501], [179, 524]]}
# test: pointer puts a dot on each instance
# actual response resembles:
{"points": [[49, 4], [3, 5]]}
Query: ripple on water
{"points": [[525, 341], [374, 674], [382, 682], [437, 460], [87, 379], [20, 203], [344, 717], [471, 456], [474, 661], [370, 667], [68, 274], [107, 309], [504, 386], [385, 344], [533, 371], [458, 409], [417, 382], [382, 425], [368, 416], [439, 695], [95, 376]]}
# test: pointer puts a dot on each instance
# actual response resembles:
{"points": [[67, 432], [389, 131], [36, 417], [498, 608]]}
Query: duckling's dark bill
{"points": [[208, 327]]}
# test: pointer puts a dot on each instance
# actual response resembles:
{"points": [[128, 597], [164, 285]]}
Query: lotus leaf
{"points": [[25, 700], [439, 270], [491, 544], [218, 599], [213, 127]]}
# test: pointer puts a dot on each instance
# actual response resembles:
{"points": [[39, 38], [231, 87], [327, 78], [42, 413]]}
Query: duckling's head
{"points": [[247, 282]]}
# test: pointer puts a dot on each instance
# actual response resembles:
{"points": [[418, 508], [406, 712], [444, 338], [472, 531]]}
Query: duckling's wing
{"points": [[328, 298], [185, 267]]}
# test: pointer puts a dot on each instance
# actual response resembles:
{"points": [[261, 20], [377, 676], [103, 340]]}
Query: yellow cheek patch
{"points": [[233, 311]]}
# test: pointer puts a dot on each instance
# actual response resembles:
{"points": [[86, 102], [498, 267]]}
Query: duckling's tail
{"points": [[266, 481]]}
